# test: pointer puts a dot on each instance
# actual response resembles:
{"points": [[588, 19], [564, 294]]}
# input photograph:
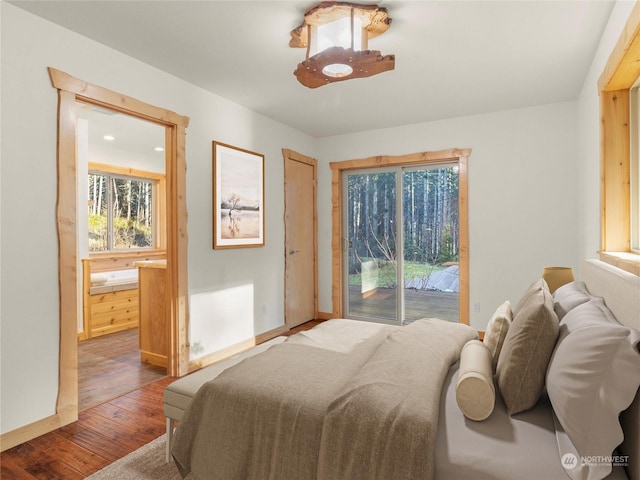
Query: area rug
{"points": [[146, 463]]}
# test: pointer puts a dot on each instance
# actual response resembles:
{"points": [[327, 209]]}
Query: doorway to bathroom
{"points": [[121, 221]]}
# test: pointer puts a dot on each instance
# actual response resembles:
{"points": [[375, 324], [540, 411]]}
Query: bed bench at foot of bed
{"points": [[178, 395]]}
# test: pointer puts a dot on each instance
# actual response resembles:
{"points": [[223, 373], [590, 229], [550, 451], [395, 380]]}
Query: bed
{"points": [[355, 400]]}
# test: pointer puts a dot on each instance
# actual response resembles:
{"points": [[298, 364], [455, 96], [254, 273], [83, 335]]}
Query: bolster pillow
{"points": [[475, 392]]}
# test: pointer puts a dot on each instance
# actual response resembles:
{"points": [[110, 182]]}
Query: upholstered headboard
{"points": [[620, 290], [621, 293]]}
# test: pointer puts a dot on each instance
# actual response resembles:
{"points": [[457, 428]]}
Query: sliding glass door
{"points": [[371, 241], [402, 243]]}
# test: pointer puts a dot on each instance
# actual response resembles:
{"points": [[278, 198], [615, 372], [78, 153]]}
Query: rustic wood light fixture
{"points": [[336, 36]]}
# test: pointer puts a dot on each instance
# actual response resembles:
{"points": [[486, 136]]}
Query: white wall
{"points": [[522, 194], [589, 134], [231, 279]]}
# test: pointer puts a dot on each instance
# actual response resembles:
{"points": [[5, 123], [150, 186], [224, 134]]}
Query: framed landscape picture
{"points": [[238, 197]]}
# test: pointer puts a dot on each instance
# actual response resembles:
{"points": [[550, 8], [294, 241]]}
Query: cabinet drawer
{"points": [[109, 302], [121, 295], [113, 311], [113, 318], [114, 306]]}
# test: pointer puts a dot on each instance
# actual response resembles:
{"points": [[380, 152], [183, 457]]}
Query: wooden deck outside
{"points": [[418, 304]]}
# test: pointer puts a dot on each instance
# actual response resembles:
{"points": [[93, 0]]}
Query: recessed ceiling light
{"points": [[159, 149], [109, 137]]}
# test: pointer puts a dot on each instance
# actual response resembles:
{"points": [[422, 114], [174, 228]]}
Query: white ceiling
{"points": [[453, 58], [133, 143]]}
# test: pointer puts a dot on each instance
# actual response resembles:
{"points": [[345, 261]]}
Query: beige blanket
{"points": [[299, 411]]}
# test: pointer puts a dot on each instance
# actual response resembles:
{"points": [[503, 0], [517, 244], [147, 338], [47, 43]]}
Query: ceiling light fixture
{"points": [[109, 137], [336, 36]]}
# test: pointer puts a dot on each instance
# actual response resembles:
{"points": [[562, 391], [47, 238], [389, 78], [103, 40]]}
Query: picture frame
{"points": [[238, 197]]}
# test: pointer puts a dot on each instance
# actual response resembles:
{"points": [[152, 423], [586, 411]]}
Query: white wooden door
{"points": [[300, 238]]}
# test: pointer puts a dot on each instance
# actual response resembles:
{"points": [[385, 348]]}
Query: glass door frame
{"points": [[399, 180], [451, 156], [398, 233]]}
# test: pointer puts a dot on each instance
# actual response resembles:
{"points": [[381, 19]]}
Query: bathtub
{"points": [[113, 281]]}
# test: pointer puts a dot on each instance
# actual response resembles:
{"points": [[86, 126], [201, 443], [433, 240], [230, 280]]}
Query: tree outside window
{"points": [[121, 213]]}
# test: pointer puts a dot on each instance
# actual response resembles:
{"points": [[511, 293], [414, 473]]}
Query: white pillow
{"points": [[593, 375], [497, 330], [569, 296], [475, 392]]}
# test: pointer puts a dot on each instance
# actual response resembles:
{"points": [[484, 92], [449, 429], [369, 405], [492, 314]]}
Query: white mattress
{"points": [[522, 447]]}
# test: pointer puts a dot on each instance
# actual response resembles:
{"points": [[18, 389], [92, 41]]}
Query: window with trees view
{"points": [[121, 212]]}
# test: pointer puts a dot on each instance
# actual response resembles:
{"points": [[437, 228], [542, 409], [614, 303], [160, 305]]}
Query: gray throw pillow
{"points": [[531, 290], [525, 354]]}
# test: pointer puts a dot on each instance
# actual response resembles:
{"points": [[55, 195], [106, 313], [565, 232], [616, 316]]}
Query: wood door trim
{"points": [[70, 90], [298, 157], [425, 158], [113, 100]]}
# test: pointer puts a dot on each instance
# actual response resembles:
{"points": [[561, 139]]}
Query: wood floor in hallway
{"points": [[109, 366]]}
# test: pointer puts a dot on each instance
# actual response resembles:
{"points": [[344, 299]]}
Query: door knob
{"points": [[291, 252]]}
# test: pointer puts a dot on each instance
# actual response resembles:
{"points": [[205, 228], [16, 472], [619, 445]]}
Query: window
{"points": [[619, 187], [122, 209]]}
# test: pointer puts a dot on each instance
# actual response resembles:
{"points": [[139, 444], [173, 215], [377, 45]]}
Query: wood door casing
{"points": [[69, 90], [300, 239]]}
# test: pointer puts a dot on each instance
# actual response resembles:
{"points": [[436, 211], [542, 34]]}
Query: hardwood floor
{"points": [[109, 366], [102, 434], [305, 326]]}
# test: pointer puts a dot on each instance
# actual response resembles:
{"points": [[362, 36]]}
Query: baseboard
{"points": [[266, 336], [154, 359], [35, 429], [235, 349], [326, 316], [220, 355]]}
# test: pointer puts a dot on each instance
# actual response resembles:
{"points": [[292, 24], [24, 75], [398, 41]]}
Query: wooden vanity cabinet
{"points": [[106, 308], [154, 312]]}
